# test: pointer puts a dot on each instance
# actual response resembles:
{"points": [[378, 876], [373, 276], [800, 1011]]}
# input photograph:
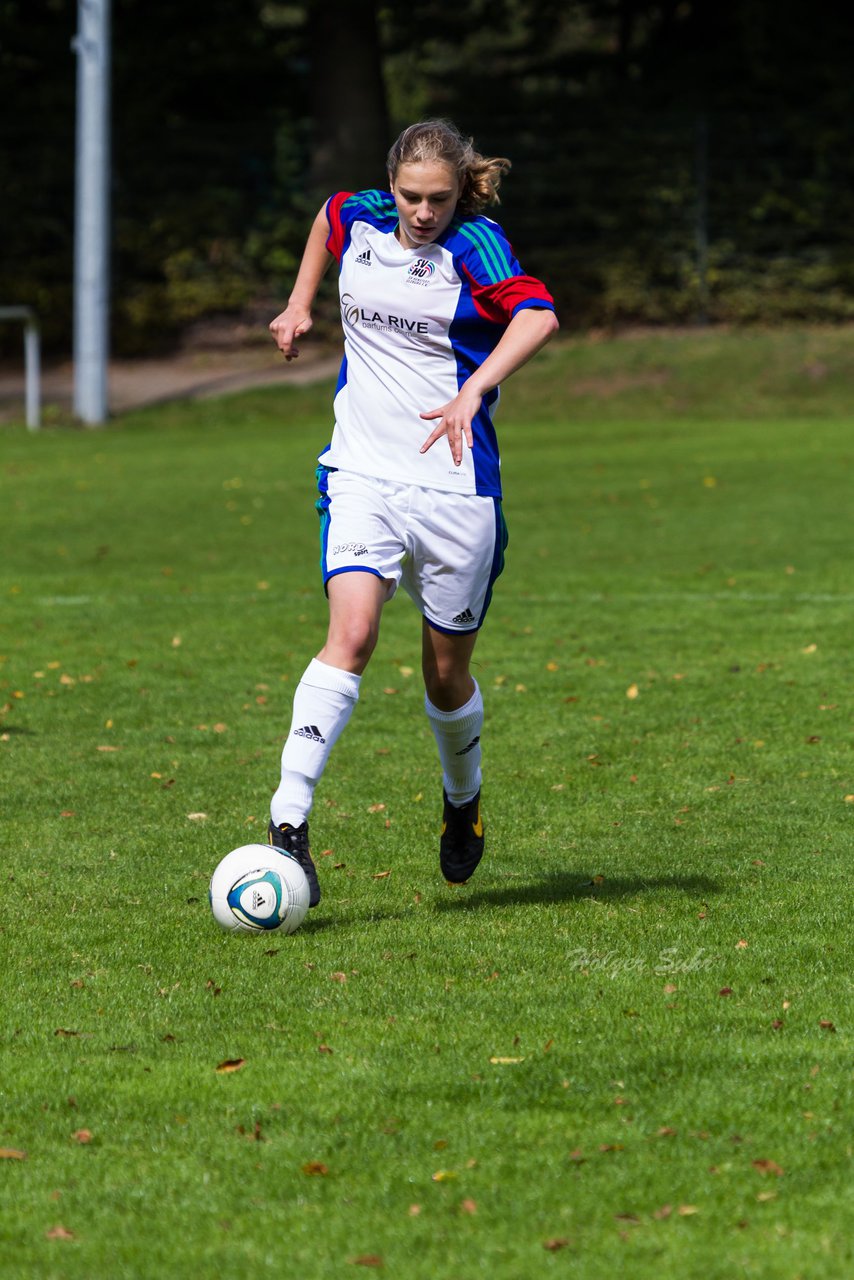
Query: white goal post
{"points": [[32, 359]]}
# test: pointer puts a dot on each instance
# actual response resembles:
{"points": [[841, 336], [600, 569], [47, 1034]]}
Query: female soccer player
{"points": [[436, 313]]}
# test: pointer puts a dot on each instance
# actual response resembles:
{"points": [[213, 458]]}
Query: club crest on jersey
{"points": [[420, 271]]}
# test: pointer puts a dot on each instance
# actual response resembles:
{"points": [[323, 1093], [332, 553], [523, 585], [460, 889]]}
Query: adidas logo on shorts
{"points": [[310, 731], [462, 619]]}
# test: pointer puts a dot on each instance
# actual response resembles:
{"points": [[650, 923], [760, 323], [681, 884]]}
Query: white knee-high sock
{"points": [[323, 703], [457, 735]]}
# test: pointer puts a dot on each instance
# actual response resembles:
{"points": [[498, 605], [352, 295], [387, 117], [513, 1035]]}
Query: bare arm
{"points": [[296, 320], [529, 330]]}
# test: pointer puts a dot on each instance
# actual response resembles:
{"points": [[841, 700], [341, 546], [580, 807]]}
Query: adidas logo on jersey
{"points": [[310, 731], [364, 259], [464, 618]]}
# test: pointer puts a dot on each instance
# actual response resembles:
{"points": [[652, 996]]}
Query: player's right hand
{"points": [[291, 324]]}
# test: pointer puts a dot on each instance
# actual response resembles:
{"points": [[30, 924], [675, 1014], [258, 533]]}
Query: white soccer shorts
{"points": [[447, 549]]}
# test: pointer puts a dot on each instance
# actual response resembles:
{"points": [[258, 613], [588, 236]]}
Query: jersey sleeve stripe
{"points": [[375, 202], [492, 251], [337, 230]]}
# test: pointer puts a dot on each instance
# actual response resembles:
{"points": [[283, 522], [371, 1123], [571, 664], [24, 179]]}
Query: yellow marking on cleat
{"points": [[477, 827]]}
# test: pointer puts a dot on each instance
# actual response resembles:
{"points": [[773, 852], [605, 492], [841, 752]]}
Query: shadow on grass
{"points": [[563, 886]]}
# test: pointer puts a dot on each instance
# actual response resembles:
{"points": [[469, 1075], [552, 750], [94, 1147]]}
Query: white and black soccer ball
{"points": [[256, 889]]}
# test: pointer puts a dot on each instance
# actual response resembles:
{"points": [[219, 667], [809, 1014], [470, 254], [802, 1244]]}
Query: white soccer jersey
{"points": [[417, 322]]}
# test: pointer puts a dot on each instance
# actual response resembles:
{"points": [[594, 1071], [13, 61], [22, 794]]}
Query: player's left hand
{"points": [[455, 423]]}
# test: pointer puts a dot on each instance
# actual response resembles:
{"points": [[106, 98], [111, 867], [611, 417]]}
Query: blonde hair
{"points": [[479, 176]]}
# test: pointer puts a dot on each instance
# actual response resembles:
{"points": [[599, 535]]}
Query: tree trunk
{"points": [[349, 112]]}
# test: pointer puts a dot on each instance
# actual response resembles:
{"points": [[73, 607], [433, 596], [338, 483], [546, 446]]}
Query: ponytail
{"points": [[479, 176]]}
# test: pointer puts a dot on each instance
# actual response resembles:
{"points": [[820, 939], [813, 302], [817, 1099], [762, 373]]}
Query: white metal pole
{"points": [[32, 365], [92, 212]]}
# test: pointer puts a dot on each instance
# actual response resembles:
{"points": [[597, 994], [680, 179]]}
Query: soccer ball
{"points": [[257, 888]]}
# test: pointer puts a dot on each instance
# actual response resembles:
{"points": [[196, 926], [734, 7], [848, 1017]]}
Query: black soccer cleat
{"points": [[293, 841], [461, 844]]}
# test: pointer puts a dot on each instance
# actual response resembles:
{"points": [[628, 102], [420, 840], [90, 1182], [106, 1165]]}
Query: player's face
{"points": [[426, 195]]}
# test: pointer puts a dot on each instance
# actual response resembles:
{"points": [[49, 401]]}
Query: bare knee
{"points": [[445, 663], [448, 685], [355, 606], [350, 642]]}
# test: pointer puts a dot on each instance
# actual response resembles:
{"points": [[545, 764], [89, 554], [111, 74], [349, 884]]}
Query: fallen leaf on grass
{"points": [[664, 1212], [229, 1065], [59, 1233], [252, 1135], [108, 748], [632, 691], [503, 1062], [338, 977], [725, 991], [368, 1260], [9, 1153], [627, 1217], [381, 875], [83, 1136], [686, 1210], [62, 1031], [826, 1025], [468, 1206], [197, 817], [741, 944], [315, 1169], [376, 808], [443, 1175], [557, 1242], [767, 1166]]}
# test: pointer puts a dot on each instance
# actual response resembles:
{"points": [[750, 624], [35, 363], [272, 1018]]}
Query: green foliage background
{"points": [[672, 161]]}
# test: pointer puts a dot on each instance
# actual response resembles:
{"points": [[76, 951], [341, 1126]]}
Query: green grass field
{"points": [[625, 1047]]}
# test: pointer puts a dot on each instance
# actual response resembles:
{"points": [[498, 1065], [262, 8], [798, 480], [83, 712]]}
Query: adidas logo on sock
{"points": [[364, 259], [464, 617], [310, 731], [471, 746]]}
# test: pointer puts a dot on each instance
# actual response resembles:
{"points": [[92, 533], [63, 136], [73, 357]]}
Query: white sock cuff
{"points": [[319, 675], [474, 707]]}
